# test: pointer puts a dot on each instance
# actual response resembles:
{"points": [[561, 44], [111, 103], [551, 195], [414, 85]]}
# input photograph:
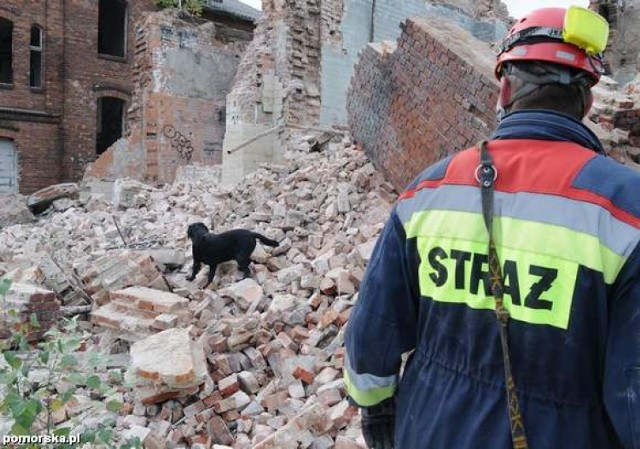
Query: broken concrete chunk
{"points": [[39, 201], [13, 211], [283, 303], [170, 258], [169, 358], [128, 193], [245, 293]]}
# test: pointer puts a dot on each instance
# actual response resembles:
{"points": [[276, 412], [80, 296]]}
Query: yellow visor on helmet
{"points": [[585, 29]]}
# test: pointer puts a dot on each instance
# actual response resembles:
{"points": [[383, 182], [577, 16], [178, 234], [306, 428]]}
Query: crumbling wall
{"points": [[183, 74], [278, 84], [432, 95], [348, 25], [623, 52]]}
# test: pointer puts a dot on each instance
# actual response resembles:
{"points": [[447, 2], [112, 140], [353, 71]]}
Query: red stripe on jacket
{"points": [[535, 166]]}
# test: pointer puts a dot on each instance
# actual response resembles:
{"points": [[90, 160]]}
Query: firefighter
{"points": [[509, 274]]}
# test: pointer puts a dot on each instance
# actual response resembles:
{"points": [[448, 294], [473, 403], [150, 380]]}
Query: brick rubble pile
{"points": [[615, 118], [246, 363]]}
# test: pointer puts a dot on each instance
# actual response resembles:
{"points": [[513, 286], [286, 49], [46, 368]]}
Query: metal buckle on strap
{"points": [[485, 173]]}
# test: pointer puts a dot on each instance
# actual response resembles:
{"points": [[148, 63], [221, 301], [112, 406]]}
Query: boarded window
{"points": [[110, 124], [112, 27], [35, 74], [6, 51]]}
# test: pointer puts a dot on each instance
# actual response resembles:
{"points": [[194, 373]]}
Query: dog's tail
{"points": [[265, 240]]}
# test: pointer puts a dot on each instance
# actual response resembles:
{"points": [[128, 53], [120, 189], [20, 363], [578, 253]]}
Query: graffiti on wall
{"points": [[179, 142]]}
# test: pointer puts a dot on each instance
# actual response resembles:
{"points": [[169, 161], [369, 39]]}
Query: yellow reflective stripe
{"points": [[524, 236], [369, 397], [559, 296]]}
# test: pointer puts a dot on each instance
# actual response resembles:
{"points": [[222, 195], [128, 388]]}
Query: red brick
{"points": [[229, 385], [303, 374], [219, 431]]}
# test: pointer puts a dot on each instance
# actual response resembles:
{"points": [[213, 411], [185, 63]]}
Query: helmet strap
{"points": [[547, 74]]}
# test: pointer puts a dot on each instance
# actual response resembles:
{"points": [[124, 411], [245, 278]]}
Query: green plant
{"points": [[36, 381], [191, 6]]}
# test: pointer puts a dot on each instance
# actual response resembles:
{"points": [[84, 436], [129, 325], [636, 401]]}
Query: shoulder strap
{"points": [[486, 174]]}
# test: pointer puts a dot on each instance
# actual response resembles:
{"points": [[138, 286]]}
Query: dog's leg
{"points": [[197, 266], [243, 265], [212, 273]]}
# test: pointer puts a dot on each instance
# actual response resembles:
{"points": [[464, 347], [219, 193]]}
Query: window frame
{"points": [[11, 83], [39, 49]]}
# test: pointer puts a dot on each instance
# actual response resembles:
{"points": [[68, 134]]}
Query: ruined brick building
{"points": [[297, 70], [67, 76], [186, 92]]}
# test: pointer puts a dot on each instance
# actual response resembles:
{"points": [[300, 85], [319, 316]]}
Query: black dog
{"points": [[213, 249]]}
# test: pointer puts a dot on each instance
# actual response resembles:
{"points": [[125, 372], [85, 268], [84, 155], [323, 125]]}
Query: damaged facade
{"points": [[177, 113], [296, 72], [67, 78]]}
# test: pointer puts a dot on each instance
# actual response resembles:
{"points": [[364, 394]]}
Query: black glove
{"points": [[378, 424]]}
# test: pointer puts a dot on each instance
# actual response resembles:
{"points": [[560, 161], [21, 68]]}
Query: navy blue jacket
{"points": [[567, 230]]}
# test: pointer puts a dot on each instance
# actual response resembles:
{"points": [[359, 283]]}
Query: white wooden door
{"points": [[8, 167]]}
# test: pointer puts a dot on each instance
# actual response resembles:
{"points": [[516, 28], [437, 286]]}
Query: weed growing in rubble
{"points": [[191, 6], [39, 385]]}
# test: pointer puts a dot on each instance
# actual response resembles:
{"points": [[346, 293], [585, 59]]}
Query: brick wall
{"points": [[90, 76], [278, 82], [32, 117], [434, 93], [54, 128], [286, 48], [37, 145]]}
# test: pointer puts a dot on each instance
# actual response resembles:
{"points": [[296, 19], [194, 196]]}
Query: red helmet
{"points": [[540, 36]]}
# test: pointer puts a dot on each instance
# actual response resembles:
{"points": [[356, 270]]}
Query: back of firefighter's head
{"points": [[550, 59]]}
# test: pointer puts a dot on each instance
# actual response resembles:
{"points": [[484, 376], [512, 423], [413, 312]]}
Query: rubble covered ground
{"points": [[255, 362], [250, 362]]}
